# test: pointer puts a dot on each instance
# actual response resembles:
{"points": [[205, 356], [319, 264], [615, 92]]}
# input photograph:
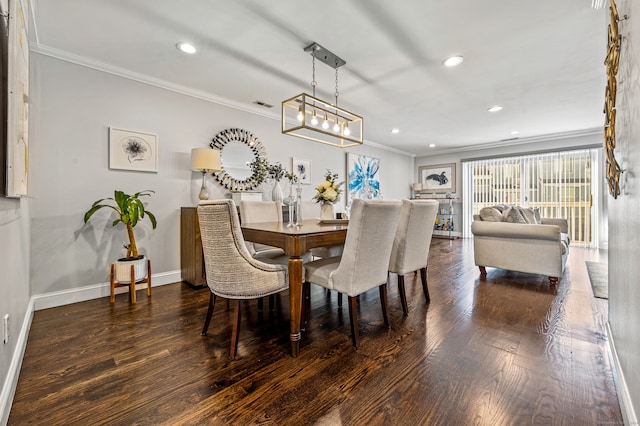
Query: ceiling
{"points": [[541, 60]]}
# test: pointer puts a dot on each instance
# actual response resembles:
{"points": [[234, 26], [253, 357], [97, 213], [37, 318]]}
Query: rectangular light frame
{"points": [[306, 104]]}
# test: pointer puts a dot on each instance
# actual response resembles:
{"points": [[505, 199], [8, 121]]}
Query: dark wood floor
{"points": [[505, 351]]}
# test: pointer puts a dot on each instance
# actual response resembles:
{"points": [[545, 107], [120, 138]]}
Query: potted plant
{"points": [[130, 211], [276, 172]]}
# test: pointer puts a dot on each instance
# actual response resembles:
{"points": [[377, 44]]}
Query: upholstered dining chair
{"points": [[310, 211], [231, 271], [364, 261], [263, 211], [411, 244]]}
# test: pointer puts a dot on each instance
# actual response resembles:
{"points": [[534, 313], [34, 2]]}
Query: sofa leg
{"points": [[553, 281], [483, 271]]}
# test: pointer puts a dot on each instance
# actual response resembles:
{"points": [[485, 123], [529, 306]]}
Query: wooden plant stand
{"points": [[131, 284]]}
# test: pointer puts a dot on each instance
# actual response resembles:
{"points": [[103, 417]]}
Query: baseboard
{"points": [[95, 291], [11, 380], [626, 404]]}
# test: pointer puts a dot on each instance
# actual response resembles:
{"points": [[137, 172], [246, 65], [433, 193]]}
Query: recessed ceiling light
{"points": [[452, 61], [432, 145], [514, 132], [186, 48], [495, 108], [395, 131]]}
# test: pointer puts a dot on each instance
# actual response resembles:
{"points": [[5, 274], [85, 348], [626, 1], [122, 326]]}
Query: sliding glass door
{"points": [[560, 184]]}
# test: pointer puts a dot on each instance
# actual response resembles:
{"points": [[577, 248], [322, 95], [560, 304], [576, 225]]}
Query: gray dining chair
{"points": [[364, 261], [311, 211], [263, 211], [231, 271], [410, 251]]}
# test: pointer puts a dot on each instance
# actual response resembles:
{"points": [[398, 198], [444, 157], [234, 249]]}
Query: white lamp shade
{"points": [[417, 186], [205, 159]]}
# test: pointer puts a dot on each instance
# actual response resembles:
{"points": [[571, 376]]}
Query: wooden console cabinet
{"points": [[191, 256]]}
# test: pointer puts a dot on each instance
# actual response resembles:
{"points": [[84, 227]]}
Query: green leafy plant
{"points": [[292, 178], [130, 210], [260, 169], [276, 171]]}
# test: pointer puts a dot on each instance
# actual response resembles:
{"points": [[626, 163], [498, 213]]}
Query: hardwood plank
{"points": [[502, 350]]}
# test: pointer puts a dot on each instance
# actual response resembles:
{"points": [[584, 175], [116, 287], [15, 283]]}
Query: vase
{"points": [[123, 269], [276, 192], [326, 211]]}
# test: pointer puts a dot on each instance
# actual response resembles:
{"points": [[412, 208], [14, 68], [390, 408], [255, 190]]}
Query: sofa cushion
{"points": [[531, 215], [490, 214], [513, 215]]}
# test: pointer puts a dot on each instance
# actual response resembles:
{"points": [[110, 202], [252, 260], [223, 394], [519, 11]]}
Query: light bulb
{"points": [[300, 116], [325, 123], [346, 131], [314, 119], [336, 127]]}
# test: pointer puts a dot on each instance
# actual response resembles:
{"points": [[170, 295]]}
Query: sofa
{"points": [[518, 239]]}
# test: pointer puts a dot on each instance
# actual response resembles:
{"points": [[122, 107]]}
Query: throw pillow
{"points": [[513, 215], [489, 214], [528, 215]]}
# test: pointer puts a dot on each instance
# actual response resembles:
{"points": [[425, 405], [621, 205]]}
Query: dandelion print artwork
{"points": [[136, 149], [129, 150]]}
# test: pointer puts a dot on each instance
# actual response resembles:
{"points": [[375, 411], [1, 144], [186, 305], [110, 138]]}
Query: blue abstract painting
{"points": [[363, 177]]}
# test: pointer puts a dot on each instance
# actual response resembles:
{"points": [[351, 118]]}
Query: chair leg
{"points": [[353, 319], [425, 287], [235, 334], [403, 294], [385, 305], [113, 283], [339, 300], [260, 304], [272, 302], [306, 291], [553, 281], [207, 320], [483, 271]]}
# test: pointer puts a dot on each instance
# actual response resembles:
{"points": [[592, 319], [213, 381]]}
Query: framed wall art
{"points": [[363, 177], [302, 169], [16, 58], [439, 178], [130, 150]]}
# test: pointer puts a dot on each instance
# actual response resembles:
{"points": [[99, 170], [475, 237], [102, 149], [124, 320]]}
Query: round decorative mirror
{"points": [[238, 148]]}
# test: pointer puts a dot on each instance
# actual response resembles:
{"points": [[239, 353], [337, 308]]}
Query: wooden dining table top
{"points": [[295, 240]]}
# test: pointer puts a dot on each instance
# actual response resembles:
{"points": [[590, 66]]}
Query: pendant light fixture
{"points": [[301, 115]]}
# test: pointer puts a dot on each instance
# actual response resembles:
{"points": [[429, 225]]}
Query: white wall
{"points": [[70, 166], [624, 220]]}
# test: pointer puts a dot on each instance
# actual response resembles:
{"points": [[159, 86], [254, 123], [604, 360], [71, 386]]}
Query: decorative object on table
{"points": [[205, 160], [238, 150], [14, 172], [363, 177], [611, 62], [308, 117], [290, 201], [130, 211], [328, 193], [439, 178], [130, 150], [302, 169], [276, 173]]}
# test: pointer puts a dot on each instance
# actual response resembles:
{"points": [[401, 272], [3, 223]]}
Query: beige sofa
{"points": [[517, 239]]}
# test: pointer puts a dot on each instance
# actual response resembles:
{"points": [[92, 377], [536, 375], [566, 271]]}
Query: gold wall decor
{"points": [[611, 62]]}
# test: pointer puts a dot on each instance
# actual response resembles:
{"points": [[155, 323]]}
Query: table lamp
{"points": [[205, 160], [417, 187]]}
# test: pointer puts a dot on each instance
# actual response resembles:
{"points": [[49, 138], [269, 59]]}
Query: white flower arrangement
{"points": [[328, 191]]}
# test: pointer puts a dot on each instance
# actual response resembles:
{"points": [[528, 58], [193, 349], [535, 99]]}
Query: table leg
{"points": [[295, 302]]}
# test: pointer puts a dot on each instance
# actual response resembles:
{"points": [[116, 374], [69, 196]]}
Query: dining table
{"points": [[296, 241]]}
